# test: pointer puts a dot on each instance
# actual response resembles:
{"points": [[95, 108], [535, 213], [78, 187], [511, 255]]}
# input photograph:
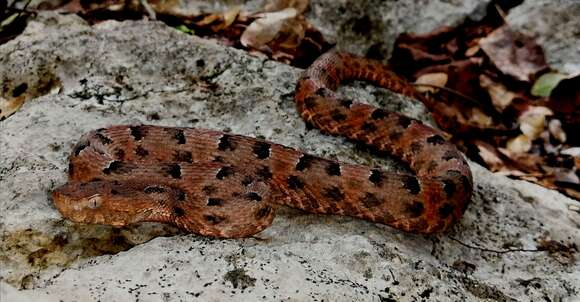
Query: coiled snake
{"points": [[224, 185]]}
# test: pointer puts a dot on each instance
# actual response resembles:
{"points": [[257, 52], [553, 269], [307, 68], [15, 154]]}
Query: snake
{"points": [[224, 185]]}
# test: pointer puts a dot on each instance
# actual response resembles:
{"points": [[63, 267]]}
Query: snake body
{"points": [[224, 185]]}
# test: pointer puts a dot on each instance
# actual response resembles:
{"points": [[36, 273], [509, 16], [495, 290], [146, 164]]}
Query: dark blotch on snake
{"points": [[368, 127], [247, 180], [80, 147], [178, 212], [416, 147], [411, 184], [376, 177], [415, 209], [183, 156], [448, 187], [404, 121], [333, 169], [395, 136], [180, 137], [304, 162], [213, 219], [226, 143], [263, 212], [120, 154], [104, 139], [264, 173], [322, 91], [154, 189], [346, 103], [174, 171], [431, 166], [253, 196], [114, 167], [261, 150], [370, 200], [209, 190], [379, 114], [180, 195], [333, 193], [446, 210], [450, 154], [310, 102], [224, 172], [436, 140], [337, 115], [212, 202], [294, 182], [141, 152], [137, 132]]}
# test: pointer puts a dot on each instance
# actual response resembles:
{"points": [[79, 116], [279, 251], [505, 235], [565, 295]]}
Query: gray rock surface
{"points": [[517, 240], [372, 26], [556, 26]]}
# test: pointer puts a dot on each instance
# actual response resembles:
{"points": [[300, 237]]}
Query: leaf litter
{"points": [[505, 107]]}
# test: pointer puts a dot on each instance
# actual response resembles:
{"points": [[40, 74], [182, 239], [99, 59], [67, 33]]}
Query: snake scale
{"points": [[224, 185]]}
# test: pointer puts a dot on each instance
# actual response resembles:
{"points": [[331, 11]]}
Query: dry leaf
{"points": [[480, 119], [574, 151], [293, 31], [426, 82], [277, 5], [501, 97], [266, 27], [555, 128], [470, 52], [519, 144], [533, 121], [489, 156], [546, 83], [230, 15], [514, 53], [209, 19], [9, 106]]}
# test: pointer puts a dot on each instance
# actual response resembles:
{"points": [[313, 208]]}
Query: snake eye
{"points": [[94, 202]]}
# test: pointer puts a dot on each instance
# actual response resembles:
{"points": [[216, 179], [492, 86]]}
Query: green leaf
{"points": [[546, 83], [8, 20], [185, 29]]}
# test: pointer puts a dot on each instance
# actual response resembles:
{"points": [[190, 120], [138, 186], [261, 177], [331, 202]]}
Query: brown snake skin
{"points": [[224, 185]]}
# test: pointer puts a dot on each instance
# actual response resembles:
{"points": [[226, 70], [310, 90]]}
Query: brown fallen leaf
{"points": [[266, 27], [555, 128], [230, 15], [277, 5], [514, 53], [479, 119], [429, 82], [533, 121], [11, 105], [519, 144], [490, 156], [501, 97]]}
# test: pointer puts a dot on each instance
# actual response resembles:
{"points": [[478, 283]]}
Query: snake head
{"points": [[103, 202]]}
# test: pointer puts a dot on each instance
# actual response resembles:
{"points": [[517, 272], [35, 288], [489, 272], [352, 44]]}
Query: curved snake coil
{"points": [[224, 185]]}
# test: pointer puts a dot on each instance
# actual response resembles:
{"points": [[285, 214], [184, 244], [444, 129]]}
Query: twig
{"points": [[501, 13], [149, 9], [452, 91]]}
